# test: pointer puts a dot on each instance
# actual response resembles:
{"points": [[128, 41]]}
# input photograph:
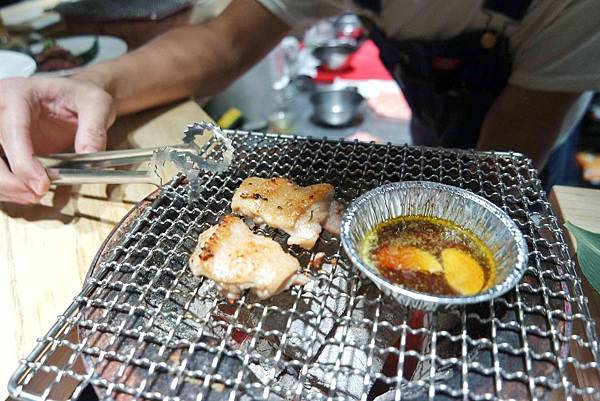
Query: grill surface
{"points": [[145, 328]]}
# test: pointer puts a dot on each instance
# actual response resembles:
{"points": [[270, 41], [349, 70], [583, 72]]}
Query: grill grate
{"points": [[144, 328]]}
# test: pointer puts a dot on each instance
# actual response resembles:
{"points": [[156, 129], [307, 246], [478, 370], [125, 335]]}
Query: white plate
{"points": [[109, 47], [15, 64]]}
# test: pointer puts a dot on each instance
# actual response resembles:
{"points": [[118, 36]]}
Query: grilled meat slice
{"points": [[236, 259], [56, 58], [281, 203]]}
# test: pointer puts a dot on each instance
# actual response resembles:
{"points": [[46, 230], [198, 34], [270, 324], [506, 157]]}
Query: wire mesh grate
{"points": [[144, 327]]}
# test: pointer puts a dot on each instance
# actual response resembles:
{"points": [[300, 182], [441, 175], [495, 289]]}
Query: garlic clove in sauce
{"points": [[407, 257], [463, 273]]}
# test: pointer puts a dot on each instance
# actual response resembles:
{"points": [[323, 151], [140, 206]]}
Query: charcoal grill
{"points": [[144, 328]]}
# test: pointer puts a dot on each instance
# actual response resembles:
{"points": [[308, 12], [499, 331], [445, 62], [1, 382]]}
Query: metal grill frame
{"points": [[550, 294]]}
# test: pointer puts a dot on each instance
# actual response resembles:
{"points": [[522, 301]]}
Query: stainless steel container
{"points": [[336, 107], [335, 55]]}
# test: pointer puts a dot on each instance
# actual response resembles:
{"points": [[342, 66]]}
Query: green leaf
{"points": [[48, 43], [90, 53], [588, 253]]}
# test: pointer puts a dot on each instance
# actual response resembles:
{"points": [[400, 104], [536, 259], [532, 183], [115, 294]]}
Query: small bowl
{"points": [[348, 25], [336, 107], [494, 227], [335, 55]]}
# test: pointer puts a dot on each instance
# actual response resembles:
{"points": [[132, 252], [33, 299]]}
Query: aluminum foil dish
{"points": [[465, 209]]}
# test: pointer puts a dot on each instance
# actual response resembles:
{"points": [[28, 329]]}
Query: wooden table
{"points": [[45, 250], [580, 206]]}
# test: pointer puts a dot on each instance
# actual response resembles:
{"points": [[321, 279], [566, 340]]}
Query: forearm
{"points": [[164, 70], [200, 59], [526, 121]]}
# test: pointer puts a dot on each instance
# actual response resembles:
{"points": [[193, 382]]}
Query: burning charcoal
{"points": [[280, 380], [169, 315], [350, 385], [201, 363], [320, 307], [355, 356]]}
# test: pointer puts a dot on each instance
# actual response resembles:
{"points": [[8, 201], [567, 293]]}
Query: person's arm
{"points": [[199, 59], [44, 115], [526, 121]]}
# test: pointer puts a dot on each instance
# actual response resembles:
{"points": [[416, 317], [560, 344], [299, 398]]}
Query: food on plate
{"points": [[430, 255], [281, 203], [236, 259], [54, 57]]}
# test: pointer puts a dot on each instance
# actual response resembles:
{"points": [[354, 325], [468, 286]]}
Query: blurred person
{"points": [[494, 74], [8, 2]]}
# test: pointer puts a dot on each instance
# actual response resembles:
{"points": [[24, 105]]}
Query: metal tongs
{"points": [[204, 147]]}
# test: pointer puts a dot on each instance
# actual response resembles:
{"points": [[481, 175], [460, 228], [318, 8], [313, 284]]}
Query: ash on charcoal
{"points": [[320, 305], [355, 361], [311, 337], [173, 315]]}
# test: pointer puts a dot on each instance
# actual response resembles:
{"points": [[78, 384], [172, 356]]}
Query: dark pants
{"points": [[450, 86], [561, 167]]}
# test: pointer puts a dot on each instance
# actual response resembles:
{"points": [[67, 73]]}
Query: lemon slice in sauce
{"points": [[463, 273], [407, 257]]}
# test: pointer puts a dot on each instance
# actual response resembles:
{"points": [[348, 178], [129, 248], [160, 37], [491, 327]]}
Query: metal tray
{"points": [[116, 10], [144, 327]]}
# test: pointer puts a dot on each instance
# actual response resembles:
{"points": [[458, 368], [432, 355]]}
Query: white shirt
{"points": [[556, 46]]}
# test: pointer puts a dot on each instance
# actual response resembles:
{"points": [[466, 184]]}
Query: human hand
{"points": [[45, 115]]}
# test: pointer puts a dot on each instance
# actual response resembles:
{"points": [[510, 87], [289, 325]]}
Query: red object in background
{"points": [[355, 34], [590, 164], [446, 63], [365, 65], [391, 105]]}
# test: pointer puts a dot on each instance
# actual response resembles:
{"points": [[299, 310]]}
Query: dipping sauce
{"points": [[430, 255]]}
